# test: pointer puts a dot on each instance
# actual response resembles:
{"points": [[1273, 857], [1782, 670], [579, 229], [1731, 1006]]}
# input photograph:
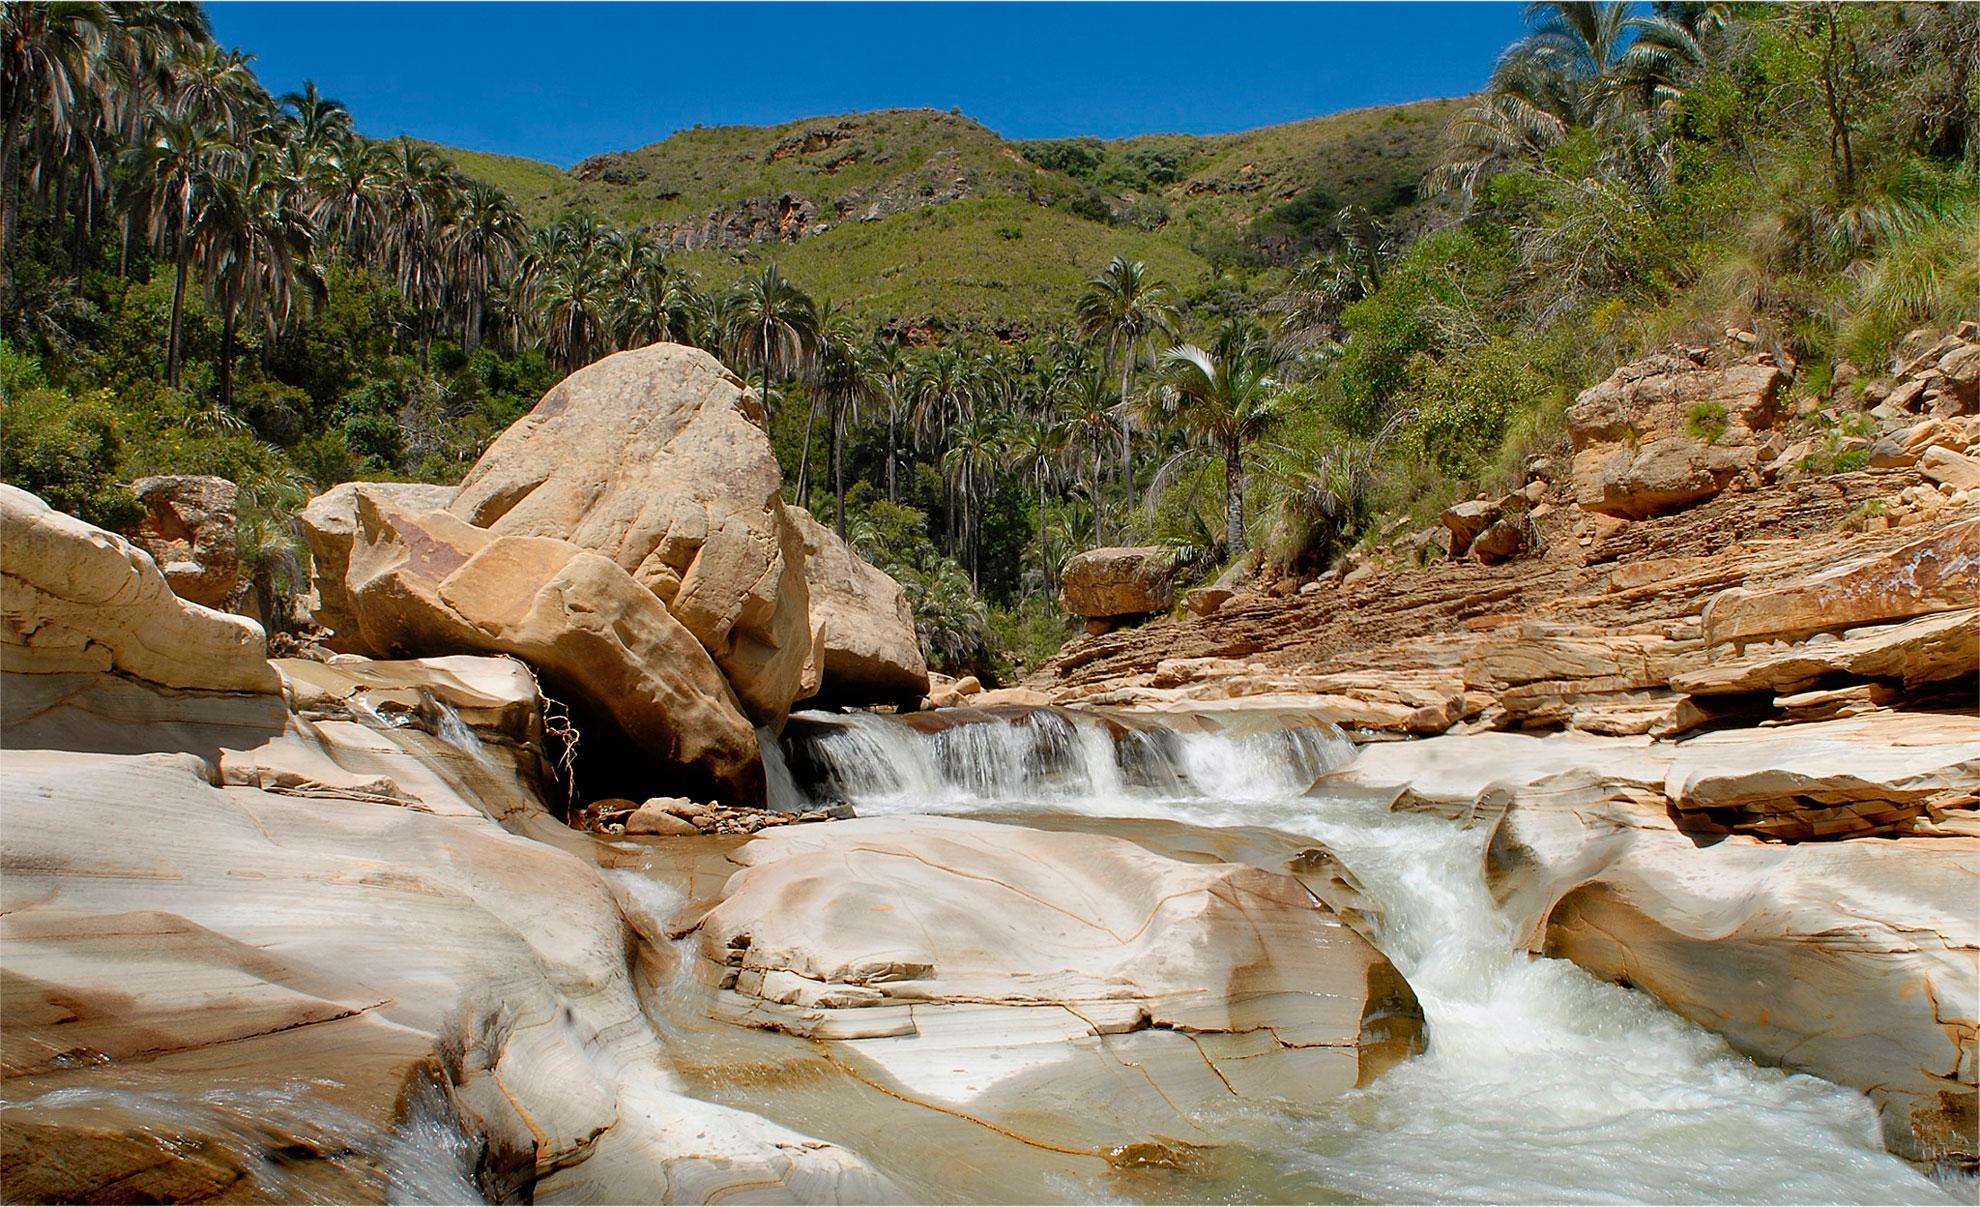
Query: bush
{"points": [[70, 451]]}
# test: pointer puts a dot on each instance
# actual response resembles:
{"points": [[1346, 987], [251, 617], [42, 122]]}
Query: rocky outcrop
{"points": [[77, 599], [1104, 991], [189, 528], [1936, 574], [1670, 431], [870, 652], [1119, 581], [656, 460]]}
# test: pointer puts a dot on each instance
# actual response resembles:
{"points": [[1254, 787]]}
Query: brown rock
{"points": [[1119, 581], [1466, 521], [1666, 432], [329, 524], [189, 529], [1950, 468], [1502, 542], [430, 581]]}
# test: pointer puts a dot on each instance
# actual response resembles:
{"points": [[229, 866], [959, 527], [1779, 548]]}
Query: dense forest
{"points": [[199, 277]]}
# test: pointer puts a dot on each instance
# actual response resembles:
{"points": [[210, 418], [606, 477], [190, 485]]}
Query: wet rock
{"points": [[190, 530], [1127, 987], [661, 816]]}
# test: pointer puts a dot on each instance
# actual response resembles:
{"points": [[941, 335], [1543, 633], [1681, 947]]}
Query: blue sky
{"points": [[562, 81]]}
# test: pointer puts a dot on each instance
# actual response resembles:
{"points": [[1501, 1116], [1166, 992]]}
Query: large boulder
{"points": [[1670, 431], [1133, 580], [656, 459], [329, 524], [190, 529], [1071, 986], [429, 581], [870, 652], [74, 598]]}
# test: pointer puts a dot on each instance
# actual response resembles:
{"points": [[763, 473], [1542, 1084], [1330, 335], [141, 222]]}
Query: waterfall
{"points": [[780, 790], [1077, 761]]}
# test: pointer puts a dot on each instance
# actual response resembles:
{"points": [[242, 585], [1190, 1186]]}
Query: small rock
{"points": [[1312, 588], [1501, 542], [653, 818]]}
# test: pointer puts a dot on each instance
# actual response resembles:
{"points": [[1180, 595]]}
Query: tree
{"points": [[976, 447], [479, 245], [846, 378], [1091, 419], [1225, 396], [256, 249], [48, 55], [1126, 310], [773, 326], [183, 161], [1038, 443]]}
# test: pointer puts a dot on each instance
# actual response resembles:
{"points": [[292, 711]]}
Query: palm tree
{"points": [[1127, 310], [1225, 396], [1038, 444], [48, 53], [321, 125], [182, 160], [846, 378], [1089, 412], [1583, 65], [943, 386], [256, 247], [573, 301], [773, 325], [661, 306], [479, 246], [891, 376], [976, 449]]}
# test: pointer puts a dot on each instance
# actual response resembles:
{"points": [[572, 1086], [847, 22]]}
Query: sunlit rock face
{"points": [[189, 528], [1074, 988], [869, 651]]}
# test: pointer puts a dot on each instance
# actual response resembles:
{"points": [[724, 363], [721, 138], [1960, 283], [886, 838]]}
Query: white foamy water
{"points": [[1539, 1082]]}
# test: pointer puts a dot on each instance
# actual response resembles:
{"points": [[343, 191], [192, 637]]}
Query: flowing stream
{"points": [[1539, 1082]]}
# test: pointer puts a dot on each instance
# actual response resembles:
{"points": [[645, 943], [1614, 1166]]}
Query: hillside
{"points": [[1020, 225]]}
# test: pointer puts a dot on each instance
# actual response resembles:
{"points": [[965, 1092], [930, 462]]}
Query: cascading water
{"points": [[1539, 1083]]}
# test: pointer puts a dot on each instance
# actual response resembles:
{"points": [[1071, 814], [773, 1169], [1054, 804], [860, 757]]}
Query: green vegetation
{"points": [[980, 357]]}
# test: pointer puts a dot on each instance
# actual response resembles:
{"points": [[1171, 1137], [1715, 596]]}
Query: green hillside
{"points": [[935, 217]]}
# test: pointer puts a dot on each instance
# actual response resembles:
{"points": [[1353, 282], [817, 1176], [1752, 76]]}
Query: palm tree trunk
{"points": [[804, 458], [1127, 440], [173, 334], [471, 326], [1097, 542], [1233, 498], [10, 184], [839, 467], [1044, 564], [892, 406], [766, 376], [227, 357]]}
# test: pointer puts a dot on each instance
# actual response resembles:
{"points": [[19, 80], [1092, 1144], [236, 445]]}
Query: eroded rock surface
{"points": [[77, 599], [1072, 988]]}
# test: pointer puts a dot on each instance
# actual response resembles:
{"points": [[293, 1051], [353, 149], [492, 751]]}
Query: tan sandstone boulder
{"points": [[329, 524], [1137, 580], [1669, 431], [74, 598], [871, 654], [430, 581], [189, 529], [656, 460]]}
